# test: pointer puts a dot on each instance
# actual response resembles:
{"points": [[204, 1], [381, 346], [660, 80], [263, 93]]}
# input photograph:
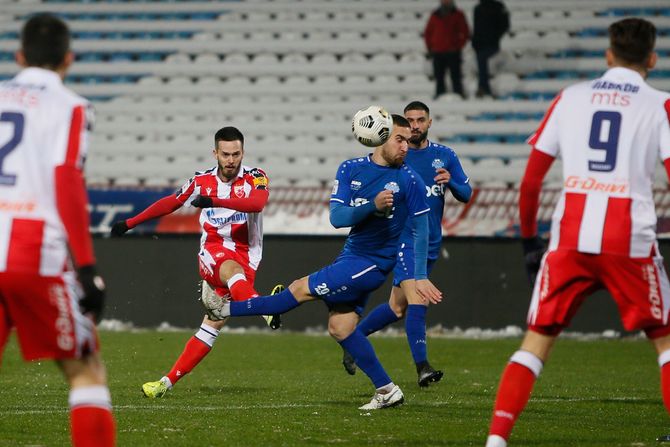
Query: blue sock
{"points": [[364, 354], [415, 328], [380, 317], [264, 305]]}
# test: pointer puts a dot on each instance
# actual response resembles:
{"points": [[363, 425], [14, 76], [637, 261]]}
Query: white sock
{"points": [[207, 334], [496, 441], [90, 396], [236, 277], [386, 388], [167, 382]]}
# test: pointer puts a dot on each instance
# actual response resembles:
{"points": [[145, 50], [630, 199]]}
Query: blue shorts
{"points": [[346, 283], [404, 267]]}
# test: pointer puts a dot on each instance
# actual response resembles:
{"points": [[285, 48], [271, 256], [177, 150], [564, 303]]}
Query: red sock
{"points": [[664, 360], [240, 288], [195, 350], [91, 420], [514, 391]]}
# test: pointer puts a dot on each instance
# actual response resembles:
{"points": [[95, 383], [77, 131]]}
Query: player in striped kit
{"points": [[232, 197], [440, 169], [49, 290], [610, 133]]}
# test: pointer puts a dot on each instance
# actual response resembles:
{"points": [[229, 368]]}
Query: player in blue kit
{"points": [[439, 168], [375, 196]]}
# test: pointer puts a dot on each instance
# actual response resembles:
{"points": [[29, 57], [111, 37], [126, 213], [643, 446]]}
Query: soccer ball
{"points": [[372, 126]]}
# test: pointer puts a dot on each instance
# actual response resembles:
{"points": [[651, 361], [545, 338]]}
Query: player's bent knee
{"points": [[398, 308], [300, 289], [85, 371]]}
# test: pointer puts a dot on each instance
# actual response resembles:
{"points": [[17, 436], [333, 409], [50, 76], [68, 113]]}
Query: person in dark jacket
{"points": [[445, 35], [491, 22]]}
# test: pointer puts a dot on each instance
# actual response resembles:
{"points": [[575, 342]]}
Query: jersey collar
{"points": [[623, 74], [39, 75]]}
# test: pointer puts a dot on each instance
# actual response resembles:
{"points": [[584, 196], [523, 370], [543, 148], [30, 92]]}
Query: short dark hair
{"points": [[632, 40], [417, 105], [400, 121], [228, 133], [45, 40]]}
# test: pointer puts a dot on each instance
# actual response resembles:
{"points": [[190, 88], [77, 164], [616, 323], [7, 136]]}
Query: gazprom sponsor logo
{"points": [[221, 221]]}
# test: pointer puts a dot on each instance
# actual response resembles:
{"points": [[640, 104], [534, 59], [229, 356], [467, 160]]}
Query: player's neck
{"points": [[422, 145], [378, 159]]}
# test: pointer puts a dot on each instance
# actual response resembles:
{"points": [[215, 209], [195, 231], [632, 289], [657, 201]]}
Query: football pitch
{"points": [[290, 389]]}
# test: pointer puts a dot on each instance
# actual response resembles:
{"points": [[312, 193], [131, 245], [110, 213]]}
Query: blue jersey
{"points": [[424, 162], [358, 181]]}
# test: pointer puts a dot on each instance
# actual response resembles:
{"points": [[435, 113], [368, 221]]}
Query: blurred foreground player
{"points": [[49, 289], [375, 196], [610, 133], [439, 168], [232, 196]]}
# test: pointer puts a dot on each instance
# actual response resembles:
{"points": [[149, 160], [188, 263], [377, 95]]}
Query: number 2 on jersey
{"points": [[17, 121], [605, 128]]}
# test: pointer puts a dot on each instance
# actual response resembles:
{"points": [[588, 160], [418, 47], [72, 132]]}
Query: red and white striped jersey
{"points": [[222, 227], [610, 133], [43, 125]]}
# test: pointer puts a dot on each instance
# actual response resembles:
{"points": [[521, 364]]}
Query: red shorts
{"points": [[210, 259], [45, 312], [639, 287]]}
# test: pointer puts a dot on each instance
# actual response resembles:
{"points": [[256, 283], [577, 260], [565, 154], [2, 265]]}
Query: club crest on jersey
{"points": [[392, 186], [355, 185], [437, 163], [238, 190]]}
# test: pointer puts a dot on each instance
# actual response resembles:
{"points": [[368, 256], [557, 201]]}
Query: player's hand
{"points": [[533, 250], [119, 228], [443, 176], [93, 301], [202, 202], [384, 200], [428, 292]]}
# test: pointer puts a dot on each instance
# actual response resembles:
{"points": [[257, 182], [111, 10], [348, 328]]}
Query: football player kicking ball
{"points": [[49, 289], [438, 166], [610, 133], [375, 196], [232, 197]]}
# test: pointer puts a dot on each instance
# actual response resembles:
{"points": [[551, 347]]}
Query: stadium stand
{"points": [[165, 75]]}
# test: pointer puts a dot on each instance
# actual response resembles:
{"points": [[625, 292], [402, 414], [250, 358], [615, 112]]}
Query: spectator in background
{"points": [[445, 35], [491, 22]]}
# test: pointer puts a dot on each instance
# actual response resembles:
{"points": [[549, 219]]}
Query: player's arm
{"points": [[72, 206], [161, 207], [254, 203], [419, 210], [529, 202], [341, 213], [456, 180]]}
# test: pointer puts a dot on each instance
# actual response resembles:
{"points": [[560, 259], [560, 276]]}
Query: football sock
{"points": [[195, 350], [664, 363], [264, 305], [240, 288], [364, 354], [380, 317], [91, 420], [415, 328], [514, 391]]}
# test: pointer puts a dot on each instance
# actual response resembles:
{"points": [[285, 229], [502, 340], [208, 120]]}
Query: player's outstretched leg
{"points": [[274, 321], [662, 345], [514, 391], [195, 350]]}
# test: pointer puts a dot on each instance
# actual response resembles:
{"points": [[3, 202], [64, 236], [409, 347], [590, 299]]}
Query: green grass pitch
{"points": [[290, 389]]}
